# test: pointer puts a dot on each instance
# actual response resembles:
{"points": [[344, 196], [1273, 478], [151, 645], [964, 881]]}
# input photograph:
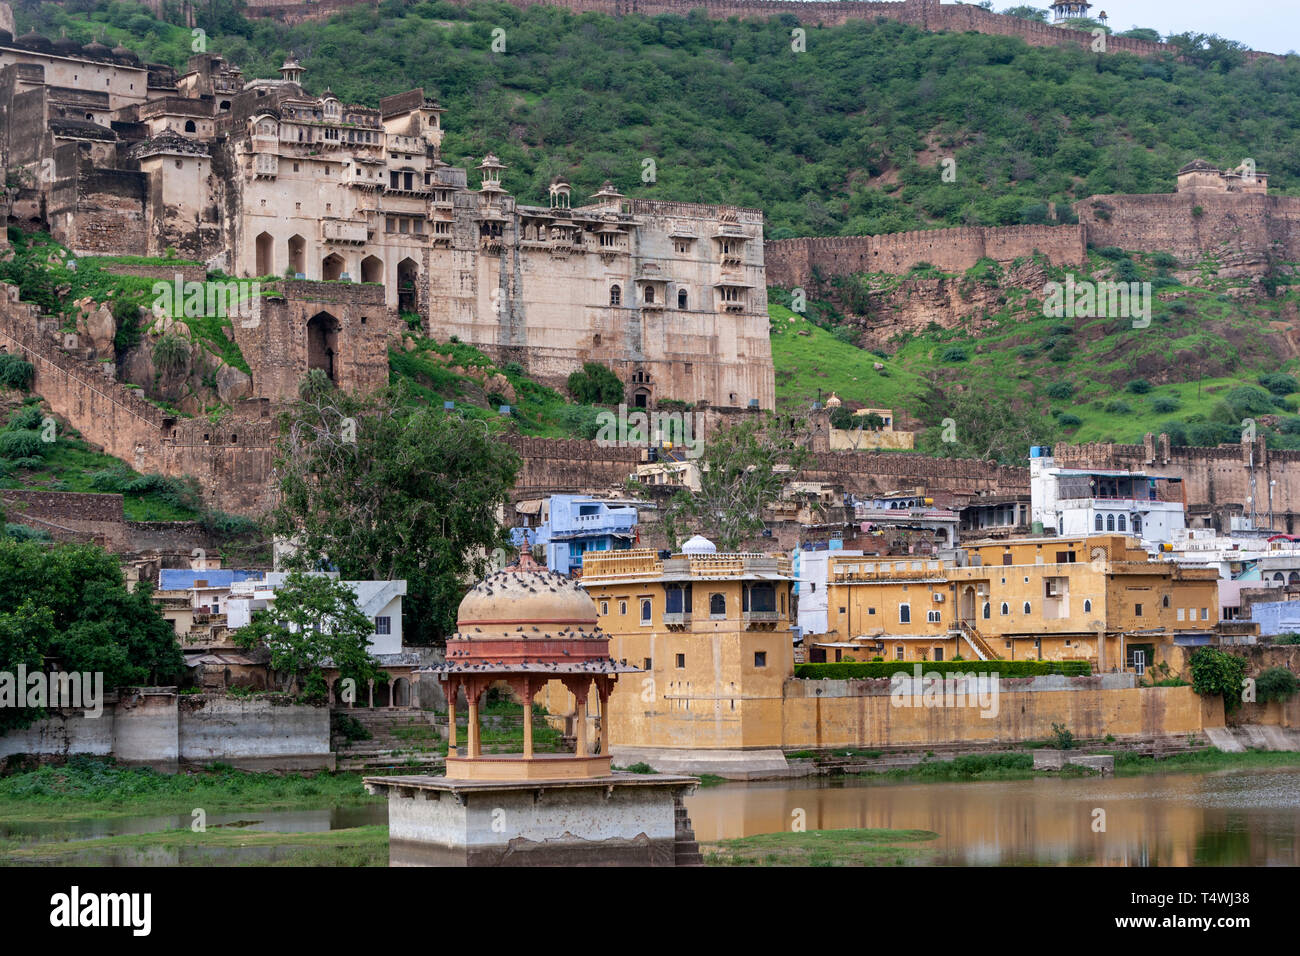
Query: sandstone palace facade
{"points": [[259, 178]]}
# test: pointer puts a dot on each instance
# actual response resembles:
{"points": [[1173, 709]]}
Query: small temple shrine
{"points": [[521, 628]]}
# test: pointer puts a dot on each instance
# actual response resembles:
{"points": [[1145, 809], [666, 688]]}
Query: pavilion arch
{"points": [[372, 269], [408, 275], [323, 344], [298, 255], [265, 254], [401, 692], [332, 266]]}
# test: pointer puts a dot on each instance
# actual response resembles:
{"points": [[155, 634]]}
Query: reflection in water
{"points": [[1229, 819], [1225, 819]]}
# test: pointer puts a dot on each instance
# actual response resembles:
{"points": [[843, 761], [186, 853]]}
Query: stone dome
{"points": [[66, 46], [96, 49], [34, 41], [526, 600], [833, 401]]}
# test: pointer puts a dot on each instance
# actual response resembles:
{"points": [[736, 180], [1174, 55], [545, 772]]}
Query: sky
{"points": [[1269, 25]]}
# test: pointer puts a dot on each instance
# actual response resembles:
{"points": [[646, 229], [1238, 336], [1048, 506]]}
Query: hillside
{"points": [[845, 138], [1217, 352]]}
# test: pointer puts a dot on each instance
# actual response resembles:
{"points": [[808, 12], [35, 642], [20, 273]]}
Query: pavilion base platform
{"points": [[619, 819]]}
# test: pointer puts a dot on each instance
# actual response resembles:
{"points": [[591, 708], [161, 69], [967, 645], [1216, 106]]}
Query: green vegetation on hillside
{"points": [[846, 138], [1212, 358]]}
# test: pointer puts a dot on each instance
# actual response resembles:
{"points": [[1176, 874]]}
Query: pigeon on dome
{"points": [[699, 545]]}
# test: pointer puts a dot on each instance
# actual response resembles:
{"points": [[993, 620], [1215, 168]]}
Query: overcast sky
{"points": [[1271, 25]]}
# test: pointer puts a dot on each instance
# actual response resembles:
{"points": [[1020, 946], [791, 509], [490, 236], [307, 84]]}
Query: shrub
{"points": [[1249, 400], [1063, 739], [1113, 253], [1164, 404], [1279, 383], [595, 385], [875, 670], [514, 369], [171, 354], [21, 444], [1139, 386], [1119, 408], [1164, 260], [954, 354], [1216, 673], [27, 418], [1069, 421], [1060, 390], [15, 372], [1275, 683]]}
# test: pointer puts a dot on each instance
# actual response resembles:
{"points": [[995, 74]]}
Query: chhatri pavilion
{"points": [[524, 627]]}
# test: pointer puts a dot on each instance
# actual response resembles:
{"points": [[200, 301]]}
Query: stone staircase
{"points": [[977, 642], [686, 850], [402, 739]]}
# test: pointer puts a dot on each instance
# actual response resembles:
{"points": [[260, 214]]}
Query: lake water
{"points": [[1222, 819], [1231, 818]]}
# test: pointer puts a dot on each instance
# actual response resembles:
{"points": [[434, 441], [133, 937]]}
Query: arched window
{"points": [[1123, 523], [1137, 524], [681, 298], [1027, 607], [650, 294], [1087, 607], [718, 604], [1098, 523], [1110, 522], [190, 127], [904, 614], [1164, 602], [1006, 609], [988, 610], [615, 295]]}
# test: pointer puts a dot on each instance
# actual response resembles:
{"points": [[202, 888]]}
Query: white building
{"points": [[810, 569], [381, 601], [1073, 502]]}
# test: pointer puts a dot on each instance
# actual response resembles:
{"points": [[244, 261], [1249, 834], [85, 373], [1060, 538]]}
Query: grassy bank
{"points": [[359, 846], [825, 848], [86, 788], [1020, 766]]}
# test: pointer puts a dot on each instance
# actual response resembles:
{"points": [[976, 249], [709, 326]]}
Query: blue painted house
{"points": [[572, 525]]}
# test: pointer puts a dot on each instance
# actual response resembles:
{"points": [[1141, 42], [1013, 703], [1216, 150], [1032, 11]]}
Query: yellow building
{"points": [[1099, 599], [712, 633]]}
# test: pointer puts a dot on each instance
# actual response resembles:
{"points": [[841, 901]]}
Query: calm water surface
{"points": [[1221, 819]]}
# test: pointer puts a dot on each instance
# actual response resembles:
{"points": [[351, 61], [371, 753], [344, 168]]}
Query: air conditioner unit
{"points": [[938, 597]]}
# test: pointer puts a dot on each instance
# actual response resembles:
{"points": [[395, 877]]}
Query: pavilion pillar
{"points": [[453, 690], [603, 689], [528, 719], [581, 718], [471, 695]]}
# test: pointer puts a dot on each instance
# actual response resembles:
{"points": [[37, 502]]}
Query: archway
{"points": [[372, 269], [407, 294], [298, 255], [967, 610], [323, 343], [401, 692], [331, 267], [641, 398], [265, 254]]}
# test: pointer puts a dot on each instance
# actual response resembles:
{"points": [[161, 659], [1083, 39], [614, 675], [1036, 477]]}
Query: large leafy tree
{"points": [[989, 427], [314, 622], [742, 471], [376, 488], [70, 602]]}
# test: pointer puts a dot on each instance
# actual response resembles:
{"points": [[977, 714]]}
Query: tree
{"points": [[987, 427], [595, 385], [742, 471], [71, 602], [1216, 673], [1209, 50], [1026, 13], [313, 623], [378, 489]]}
